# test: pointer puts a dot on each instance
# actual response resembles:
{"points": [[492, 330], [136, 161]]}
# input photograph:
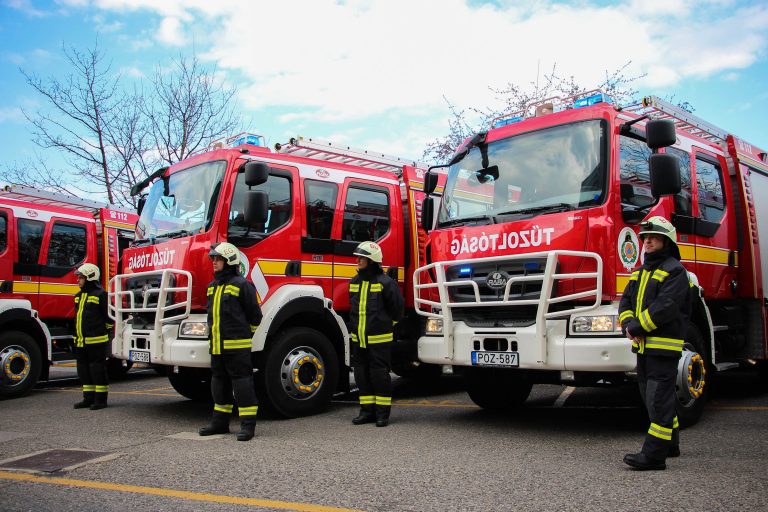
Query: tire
{"points": [[299, 373], [192, 383], [20, 364], [117, 368], [692, 378], [497, 389]]}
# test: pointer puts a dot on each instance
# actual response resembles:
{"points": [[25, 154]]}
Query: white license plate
{"points": [[139, 356], [505, 359]]}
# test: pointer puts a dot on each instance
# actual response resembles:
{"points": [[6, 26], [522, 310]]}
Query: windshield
{"points": [[555, 169], [183, 203]]}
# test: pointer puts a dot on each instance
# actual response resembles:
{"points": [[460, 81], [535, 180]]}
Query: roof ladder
{"points": [[684, 120], [43, 197], [308, 147]]}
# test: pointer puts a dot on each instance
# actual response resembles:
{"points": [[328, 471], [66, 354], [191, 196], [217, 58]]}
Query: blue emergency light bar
{"points": [[250, 139], [592, 100], [506, 121], [465, 271]]}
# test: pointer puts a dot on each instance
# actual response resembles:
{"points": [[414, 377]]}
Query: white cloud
{"points": [[171, 32], [11, 114]]}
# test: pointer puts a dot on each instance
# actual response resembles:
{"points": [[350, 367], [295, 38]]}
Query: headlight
{"points": [[434, 326], [198, 329], [602, 323]]}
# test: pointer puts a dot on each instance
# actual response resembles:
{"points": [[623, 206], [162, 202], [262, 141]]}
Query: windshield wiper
{"points": [[462, 220], [556, 207], [175, 234]]}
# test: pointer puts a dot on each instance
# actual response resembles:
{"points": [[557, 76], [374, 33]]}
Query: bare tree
{"points": [[81, 108], [189, 108], [516, 99]]}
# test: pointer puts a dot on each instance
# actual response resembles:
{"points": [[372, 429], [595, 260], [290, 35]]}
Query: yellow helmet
{"points": [[370, 250], [229, 252], [89, 271]]}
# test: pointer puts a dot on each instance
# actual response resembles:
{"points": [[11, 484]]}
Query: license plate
{"points": [[505, 359], [139, 356]]}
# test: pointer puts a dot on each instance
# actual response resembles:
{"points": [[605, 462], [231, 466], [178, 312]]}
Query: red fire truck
{"points": [[536, 238], [296, 214], [44, 237]]}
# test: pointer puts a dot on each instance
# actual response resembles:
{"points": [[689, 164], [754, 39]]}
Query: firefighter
{"points": [[375, 305], [233, 316], [654, 312], [91, 337]]}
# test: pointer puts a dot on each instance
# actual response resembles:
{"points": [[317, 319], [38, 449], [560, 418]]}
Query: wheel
{"points": [[692, 388], [192, 383], [20, 364], [117, 368], [300, 372], [497, 389]]}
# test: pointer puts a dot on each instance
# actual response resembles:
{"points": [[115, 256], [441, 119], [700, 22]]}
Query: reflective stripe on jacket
{"points": [[233, 313], [91, 320], [375, 305], [656, 305]]}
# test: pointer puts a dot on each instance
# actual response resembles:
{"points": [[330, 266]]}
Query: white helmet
{"points": [[658, 225], [89, 271], [229, 252], [370, 250]]}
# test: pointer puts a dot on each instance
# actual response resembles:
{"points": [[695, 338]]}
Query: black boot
{"points": [[219, 424], [674, 452], [247, 428], [642, 462], [382, 415], [87, 400], [366, 415], [100, 402]]}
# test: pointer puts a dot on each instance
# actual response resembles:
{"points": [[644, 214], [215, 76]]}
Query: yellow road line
{"points": [[739, 407], [173, 493]]}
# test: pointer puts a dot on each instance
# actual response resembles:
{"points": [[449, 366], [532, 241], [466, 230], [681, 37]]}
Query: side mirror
{"points": [[660, 133], [140, 204], [256, 173], [430, 182], [256, 209], [427, 213], [664, 172]]}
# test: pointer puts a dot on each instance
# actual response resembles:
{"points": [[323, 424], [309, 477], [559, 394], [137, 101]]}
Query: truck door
{"points": [[715, 225], [6, 259], [65, 248], [269, 248], [317, 243], [26, 266], [370, 213]]}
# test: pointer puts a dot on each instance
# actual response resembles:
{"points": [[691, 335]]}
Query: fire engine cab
{"points": [[44, 237], [296, 214], [536, 238]]}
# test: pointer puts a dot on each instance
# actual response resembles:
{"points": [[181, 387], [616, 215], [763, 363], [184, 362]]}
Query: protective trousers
{"points": [[92, 372], [371, 367], [656, 376], [233, 372]]}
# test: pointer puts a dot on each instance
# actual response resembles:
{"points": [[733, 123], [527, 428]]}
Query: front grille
{"points": [[139, 285], [502, 316], [479, 274]]}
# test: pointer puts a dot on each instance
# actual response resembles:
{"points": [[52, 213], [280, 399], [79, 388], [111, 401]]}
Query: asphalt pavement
{"points": [[561, 451]]}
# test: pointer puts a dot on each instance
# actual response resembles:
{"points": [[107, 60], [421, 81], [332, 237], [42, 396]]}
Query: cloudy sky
{"points": [[374, 73]]}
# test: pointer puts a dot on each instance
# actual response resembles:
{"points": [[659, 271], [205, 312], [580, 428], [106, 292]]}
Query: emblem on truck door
{"points": [[497, 280]]}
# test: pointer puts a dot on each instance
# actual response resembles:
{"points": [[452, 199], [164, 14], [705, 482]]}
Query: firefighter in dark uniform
{"points": [[233, 316], [92, 346], [375, 305], [654, 312]]}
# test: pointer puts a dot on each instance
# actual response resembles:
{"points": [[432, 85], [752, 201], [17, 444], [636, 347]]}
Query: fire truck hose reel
{"points": [[303, 372], [16, 364]]}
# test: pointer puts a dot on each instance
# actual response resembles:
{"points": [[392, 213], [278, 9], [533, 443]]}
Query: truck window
{"points": [[67, 246], [709, 180], [30, 240], [3, 232], [635, 180], [279, 190], [684, 198], [321, 203], [366, 215]]}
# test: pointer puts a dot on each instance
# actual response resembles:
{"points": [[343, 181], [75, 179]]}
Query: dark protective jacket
{"points": [[233, 312], [375, 305], [91, 320], [656, 304]]}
